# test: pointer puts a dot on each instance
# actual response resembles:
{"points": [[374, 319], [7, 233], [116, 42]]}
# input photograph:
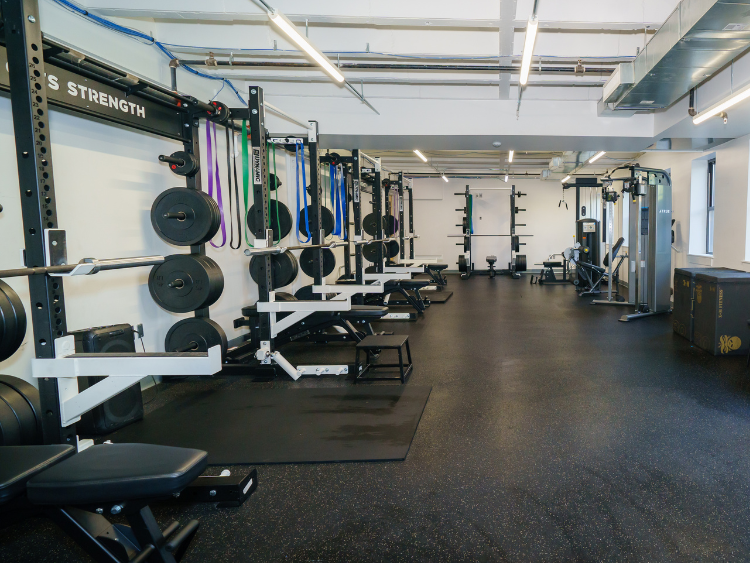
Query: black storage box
{"points": [[123, 408], [720, 312], [684, 295]]}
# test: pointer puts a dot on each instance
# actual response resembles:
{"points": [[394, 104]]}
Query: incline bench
{"points": [[77, 490]]}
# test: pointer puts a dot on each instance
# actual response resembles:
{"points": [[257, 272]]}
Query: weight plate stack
{"points": [[281, 227], [12, 321], [284, 269], [326, 216], [189, 167], [20, 413], [186, 283], [307, 259], [305, 293], [183, 216], [390, 225], [195, 335], [520, 262]]}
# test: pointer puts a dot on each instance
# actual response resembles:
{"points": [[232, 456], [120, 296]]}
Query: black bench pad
{"points": [[116, 473], [18, 464], [437, 267], [405, 284]]}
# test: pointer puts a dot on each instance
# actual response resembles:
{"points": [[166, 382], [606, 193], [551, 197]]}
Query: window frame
{"points": [[710, 204]]}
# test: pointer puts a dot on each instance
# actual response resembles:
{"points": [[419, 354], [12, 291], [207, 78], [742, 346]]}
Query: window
{"points": [[710, 193]]}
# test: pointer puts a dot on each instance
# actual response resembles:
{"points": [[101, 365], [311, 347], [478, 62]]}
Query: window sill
{"points": [[702, 259]]}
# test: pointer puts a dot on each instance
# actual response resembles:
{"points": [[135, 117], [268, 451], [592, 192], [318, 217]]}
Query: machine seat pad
{"points": [[364, 312], [437, 267], [18, 464], [116, 473], [552, 264], [406, 284]]}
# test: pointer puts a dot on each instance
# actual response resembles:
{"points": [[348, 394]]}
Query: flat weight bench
{"points": [[373, 345], [436, 273], [320, 321], [401, 287], [77, 490]]}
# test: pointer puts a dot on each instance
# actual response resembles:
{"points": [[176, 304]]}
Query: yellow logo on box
{"points": [[698, 293], [729, 343]]}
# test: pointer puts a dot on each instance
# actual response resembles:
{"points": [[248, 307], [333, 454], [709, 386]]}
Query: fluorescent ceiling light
{"points": [[506, 178], [724, 105], [288, 27], [510, 156], [597, 156], [445, 177], [420, 155], [565, 179], [528, 49]]}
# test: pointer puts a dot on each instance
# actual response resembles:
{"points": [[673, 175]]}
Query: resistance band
{"points": [[471, 216], [213, 171], [231, 160], [300, 156], [276, 187]]}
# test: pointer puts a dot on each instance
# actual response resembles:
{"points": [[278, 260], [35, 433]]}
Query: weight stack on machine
{"points": [[124, 408], [587, 235]]}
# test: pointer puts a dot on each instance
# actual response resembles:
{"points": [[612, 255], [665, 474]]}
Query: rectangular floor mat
{"points": [[240, 425]]}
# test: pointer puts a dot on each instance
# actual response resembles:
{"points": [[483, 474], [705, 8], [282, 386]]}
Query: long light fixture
{"points": [[510, 156], [287, 27], [565, 179], [528, 48], [506, 178], [597, 156], [420, 155], [722, 106], [445, 177]]}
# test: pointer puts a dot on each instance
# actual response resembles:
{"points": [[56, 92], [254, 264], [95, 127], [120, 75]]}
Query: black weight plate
{"points": [[185, 283], [390, 225], [370, 224], [393, 248], [31, 395], [195, 335], [222, 115], [370, 251], [370, 270], [326, 216], [13, 328], [10, 427], [201, 221], [462, 267], [284, 220], [515, 242], [190, 165], [520, 262], [305, 293], [23, 412], [307, 258], [284, 296], [272, 182], [284, 268]]}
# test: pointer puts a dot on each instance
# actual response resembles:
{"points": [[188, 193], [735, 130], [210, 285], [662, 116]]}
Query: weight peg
{"points": [[182, 163], [185, 283], [184, 216], [195, 334]]}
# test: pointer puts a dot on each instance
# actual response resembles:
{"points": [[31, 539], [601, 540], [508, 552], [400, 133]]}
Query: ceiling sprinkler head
{"points": [[496, 143]]}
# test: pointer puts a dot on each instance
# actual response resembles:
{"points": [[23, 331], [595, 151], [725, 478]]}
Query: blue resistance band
{"points": [[300, 152]]}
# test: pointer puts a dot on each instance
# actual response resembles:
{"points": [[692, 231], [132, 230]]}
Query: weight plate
{"points": [[284, 269], [284, 296], [10, 428], [307, 259], [272, 185], [370, 270], [12, 321], [184, 216], [462, 267], [370, 224], [520, 262], [24, 414], [305, 293], [195, 335], [222, 116], [370, 251], [515, 242], [326, 216], [393, 248], [281, 226], [189, 167], [31, 395], [185, 283]]}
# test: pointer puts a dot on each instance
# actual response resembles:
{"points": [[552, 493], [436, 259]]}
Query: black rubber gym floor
{"points": [[553, 433]]}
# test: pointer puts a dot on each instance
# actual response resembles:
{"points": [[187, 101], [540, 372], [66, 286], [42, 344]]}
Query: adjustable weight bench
{"points": [[76, 491], [401, 287]]}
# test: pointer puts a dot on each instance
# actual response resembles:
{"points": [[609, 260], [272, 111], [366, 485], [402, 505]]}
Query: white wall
{"points": [[435, 216]]}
